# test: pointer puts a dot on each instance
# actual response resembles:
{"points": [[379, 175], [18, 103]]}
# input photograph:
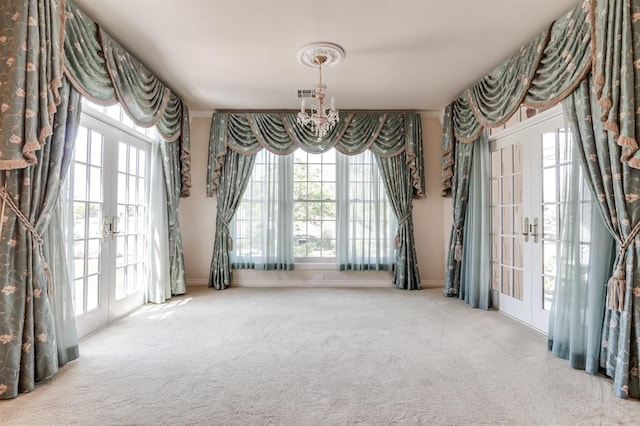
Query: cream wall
{"points": [[431, 218]]}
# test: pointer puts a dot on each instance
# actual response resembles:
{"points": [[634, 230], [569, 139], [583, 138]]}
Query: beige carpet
{"points": [[318, 356]]}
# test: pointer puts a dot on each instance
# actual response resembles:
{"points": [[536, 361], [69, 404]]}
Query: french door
{"points": [[105, 200], [526, 169]]}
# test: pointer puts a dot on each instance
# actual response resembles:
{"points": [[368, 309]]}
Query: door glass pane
{"points": [[92, 293], [507, 220], [507, 190], [549, 156], [518, 284], [517, 158], [549, 185], [80, 150], [96, 148], [507, 160], [506, 281]]}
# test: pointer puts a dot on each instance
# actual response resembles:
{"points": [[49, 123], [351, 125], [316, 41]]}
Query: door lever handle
{"points": [[106, 228], [525, 232], [534, 230], [114, 227]]}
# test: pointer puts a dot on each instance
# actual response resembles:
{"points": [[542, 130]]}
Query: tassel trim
{"points": [[457, 251], [617, 286]]}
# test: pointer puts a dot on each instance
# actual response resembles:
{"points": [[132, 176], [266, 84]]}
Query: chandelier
{"points": [[322, 118]]}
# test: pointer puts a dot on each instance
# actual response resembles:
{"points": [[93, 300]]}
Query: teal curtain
{"points": [[586, 255], [261, 227], [170, 153], [384, 134], [398, 184], [105, 73], [234, 177], [28, 290], [616, 186], [458, 187], [476, 257], [365, 220], [30, 77]]}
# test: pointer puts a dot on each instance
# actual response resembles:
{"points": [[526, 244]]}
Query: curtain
{"points": [[263, 236], [159, 287], [170, 164], [27, 290], [476, 257], [234, 178], [586, 255], [30, 77], [384, 134], [364, 230], [459, 190], [398, 184], [55, 250], [616, 186]]}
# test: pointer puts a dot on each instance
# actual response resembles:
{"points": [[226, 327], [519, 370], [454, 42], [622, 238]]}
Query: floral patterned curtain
{"points": [[28, 196], [384, 134]]}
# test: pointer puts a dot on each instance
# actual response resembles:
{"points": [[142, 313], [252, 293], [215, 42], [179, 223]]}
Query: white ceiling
{"points": [[400, 55]]}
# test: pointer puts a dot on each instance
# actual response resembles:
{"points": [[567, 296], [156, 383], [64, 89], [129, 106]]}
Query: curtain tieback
{"points": [[617, 285], [7, 200], [229, 239], [402, 221], [457, 253]]}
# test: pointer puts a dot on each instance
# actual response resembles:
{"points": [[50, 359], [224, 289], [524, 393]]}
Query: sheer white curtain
{"points": [[476, 259], [587, 252], [158, 274], [366, 224], [262, 226]]}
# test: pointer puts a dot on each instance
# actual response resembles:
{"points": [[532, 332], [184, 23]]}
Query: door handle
{"points": [[114, 227], [106, 228], [525, 229], [534, 230]]}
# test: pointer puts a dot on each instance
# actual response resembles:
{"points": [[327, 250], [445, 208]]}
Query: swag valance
{"points": [[59, 39], [540, 75], [385, 134], [105, 73]]}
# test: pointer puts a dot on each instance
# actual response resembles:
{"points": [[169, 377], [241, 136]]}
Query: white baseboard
{"points": [[203, 282]]}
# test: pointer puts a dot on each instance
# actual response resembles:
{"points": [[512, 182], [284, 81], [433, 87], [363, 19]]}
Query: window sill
{"points": [[316, 266]]}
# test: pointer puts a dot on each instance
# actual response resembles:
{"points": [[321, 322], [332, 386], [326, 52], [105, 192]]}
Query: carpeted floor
{"points": [[318, 356]]}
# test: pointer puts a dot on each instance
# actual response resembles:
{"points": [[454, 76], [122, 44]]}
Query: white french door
{"points": [[106, 194], [526, 166]]}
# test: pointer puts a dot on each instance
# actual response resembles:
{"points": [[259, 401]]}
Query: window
{"points": [[314, 208]]}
